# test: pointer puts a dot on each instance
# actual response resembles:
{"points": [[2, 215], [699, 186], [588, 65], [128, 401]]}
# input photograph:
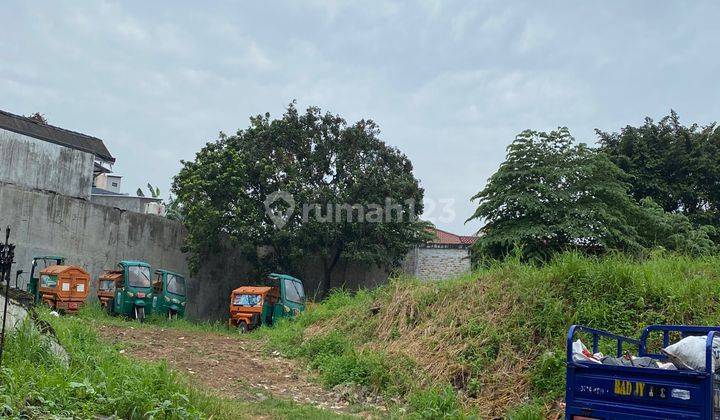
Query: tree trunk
{"points": [[328, 267]]}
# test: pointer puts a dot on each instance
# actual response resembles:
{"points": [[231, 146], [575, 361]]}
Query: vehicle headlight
{"points": [[175, 301], [167, 299], [182, 303], [130, 294], [149, 295]]}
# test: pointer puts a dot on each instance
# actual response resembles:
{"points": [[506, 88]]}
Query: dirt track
{"points": [[231, 367]]}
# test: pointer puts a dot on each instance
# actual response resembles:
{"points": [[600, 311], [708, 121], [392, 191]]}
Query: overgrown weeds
{"points": [[100, 381], [496, 337]]}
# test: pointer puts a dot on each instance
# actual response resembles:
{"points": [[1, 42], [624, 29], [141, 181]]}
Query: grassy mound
{"points": [[491, 343]]}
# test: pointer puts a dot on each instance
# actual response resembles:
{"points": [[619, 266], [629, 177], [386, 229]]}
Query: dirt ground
{"points": [[233, 367]]}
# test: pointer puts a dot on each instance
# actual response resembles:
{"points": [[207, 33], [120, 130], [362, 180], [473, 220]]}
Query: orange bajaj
{"points": [[64, 287], [253, 306], [249, 306]]}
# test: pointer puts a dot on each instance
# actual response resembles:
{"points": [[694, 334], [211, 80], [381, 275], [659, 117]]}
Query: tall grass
{"points": [[93, 313], [496, 337], [100, 381]]}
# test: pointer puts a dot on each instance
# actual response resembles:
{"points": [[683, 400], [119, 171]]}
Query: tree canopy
{"points": [[551, 195], [677, 166], [305, 185]]}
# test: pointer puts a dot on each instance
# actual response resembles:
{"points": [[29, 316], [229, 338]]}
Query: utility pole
{"points": [[7, 254]]}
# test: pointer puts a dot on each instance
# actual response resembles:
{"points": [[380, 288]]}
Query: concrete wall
{"points": [[439, 263], [96, 237], [124, 202], [90, 235], [221, 273], [33, 163]]}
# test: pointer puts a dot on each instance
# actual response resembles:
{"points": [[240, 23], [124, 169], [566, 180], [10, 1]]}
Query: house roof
{"points": [[98, 168], [447, 238], [57, 135]]}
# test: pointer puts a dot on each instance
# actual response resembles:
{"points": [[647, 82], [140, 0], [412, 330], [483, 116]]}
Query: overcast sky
{"points": [[449, 83]]}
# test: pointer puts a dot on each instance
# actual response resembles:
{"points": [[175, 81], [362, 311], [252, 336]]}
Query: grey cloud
{"points": [[450, 83]]}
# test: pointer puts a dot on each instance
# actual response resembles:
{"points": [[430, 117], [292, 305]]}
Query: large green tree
{"points": [[333, 190], [677, 166], [551, 195]]}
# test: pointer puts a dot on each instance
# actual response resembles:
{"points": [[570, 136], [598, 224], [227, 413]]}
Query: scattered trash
{"points": [[689, 353], [55, 314], [686, 354]]}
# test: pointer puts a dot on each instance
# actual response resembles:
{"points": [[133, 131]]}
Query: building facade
{"points": [[447, 255], [40, 156], [44, 157]]}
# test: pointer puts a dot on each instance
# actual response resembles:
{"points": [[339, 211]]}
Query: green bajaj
{"points": [[169, 294], [130, 288], [38, 264]]}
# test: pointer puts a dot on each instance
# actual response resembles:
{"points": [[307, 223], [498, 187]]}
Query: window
{"points": [[48, 281], [294, 291], [139, 276], [106, 285], [176, 285], [247, 300], [114, 184]]}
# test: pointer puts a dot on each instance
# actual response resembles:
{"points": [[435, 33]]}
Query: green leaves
{"points": [[316, 158], [677, 166], [549, 196]]}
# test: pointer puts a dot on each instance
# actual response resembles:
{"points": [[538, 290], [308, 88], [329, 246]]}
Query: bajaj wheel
{"points": [[172, 314], [140, 313], [242, 327], [109, 307]]}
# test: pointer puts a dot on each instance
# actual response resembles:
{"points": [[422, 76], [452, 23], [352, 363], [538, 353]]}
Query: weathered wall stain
{"points": [[33, 163], [96, 237]]}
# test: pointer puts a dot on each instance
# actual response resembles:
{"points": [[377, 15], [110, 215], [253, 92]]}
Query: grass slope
{"points": [[491, 343]]}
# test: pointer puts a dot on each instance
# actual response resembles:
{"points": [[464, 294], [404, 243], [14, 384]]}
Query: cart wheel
{"points": [[242, 327], [172, 315], [140, 313]]}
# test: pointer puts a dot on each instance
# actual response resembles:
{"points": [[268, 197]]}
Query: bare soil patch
{"points": [[232, 367]]}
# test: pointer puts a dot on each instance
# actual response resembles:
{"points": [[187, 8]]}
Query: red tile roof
{"points": [[447, 238]]}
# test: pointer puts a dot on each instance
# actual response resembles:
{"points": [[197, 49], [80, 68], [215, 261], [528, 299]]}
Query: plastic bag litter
{"points": [[581, 353], [689, 353]]}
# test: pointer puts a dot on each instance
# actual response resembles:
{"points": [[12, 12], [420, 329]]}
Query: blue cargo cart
{"points": [[597, 391]]}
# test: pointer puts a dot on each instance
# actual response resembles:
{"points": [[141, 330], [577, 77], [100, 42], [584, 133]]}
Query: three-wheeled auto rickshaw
{"points": [[253, 306], [40, 263], [169, 294], [62, 287], [127, 290]]}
